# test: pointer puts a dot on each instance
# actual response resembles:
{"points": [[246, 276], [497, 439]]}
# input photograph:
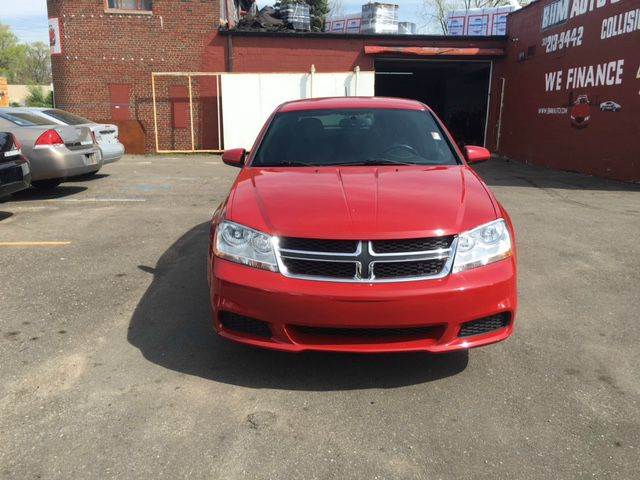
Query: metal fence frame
{"points": [[189, 76]]}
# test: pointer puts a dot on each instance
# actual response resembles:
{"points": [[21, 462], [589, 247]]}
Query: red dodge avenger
{"points": [[356, 225]]}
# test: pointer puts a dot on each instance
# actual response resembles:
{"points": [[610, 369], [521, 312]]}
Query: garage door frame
{"points": [[435, 58]]}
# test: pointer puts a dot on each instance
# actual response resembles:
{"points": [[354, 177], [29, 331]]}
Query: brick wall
{"points": [[273, 53], [102, 48]]}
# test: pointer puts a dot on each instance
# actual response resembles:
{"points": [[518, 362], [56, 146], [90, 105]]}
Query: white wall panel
{"points": [[249, 98]]}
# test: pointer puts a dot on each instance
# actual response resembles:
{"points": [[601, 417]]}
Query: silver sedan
{"points": [[55, 152], [106, 134]]}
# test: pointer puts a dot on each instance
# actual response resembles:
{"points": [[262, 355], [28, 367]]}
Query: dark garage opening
{"points": [[456, 90]]}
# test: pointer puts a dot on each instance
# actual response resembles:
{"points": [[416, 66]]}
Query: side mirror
{"points": [[234, 157], [476, 154]]}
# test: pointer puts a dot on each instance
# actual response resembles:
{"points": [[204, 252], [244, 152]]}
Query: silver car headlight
{"points": [[485, 244], [245, 245]]}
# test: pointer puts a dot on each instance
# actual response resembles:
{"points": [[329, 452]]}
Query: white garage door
{"points": [[249, 98]]}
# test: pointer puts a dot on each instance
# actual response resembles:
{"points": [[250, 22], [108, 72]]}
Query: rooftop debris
{"points": [[285, 15]]}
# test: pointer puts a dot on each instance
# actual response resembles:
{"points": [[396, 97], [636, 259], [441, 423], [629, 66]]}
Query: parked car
{"points": [[15, 174], [610, 106], [106, 134], [356, 224], [55, 152]]}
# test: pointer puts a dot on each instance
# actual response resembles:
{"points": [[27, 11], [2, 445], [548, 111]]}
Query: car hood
{"points": [[360, 202]]}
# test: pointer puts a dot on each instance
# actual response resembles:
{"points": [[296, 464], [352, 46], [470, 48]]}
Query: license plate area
{"points": [[90, 159]]}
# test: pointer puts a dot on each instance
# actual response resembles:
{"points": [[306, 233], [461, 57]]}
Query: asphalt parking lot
{"points": [[109, 367]]}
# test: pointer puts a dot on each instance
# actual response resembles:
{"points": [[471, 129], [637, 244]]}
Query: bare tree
{"points": [[436, 11], [336, 8]]}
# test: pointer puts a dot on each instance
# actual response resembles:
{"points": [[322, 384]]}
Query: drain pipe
{"points": [[500, 114], [229, 53], [312, 74], [357, 75]]}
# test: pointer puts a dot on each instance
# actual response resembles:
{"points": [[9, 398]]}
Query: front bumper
{"points": [[15, 175], [295, 309]]}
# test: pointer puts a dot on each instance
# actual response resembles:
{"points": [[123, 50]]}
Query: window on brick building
{"points": [[138, 6]]}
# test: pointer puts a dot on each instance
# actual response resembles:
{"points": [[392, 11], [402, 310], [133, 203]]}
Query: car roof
{"points": [[346, 103], [23, 109]]}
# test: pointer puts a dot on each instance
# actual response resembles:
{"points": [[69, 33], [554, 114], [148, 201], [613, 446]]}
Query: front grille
{"points": [[371, 333], [242, 324], [318, 245], [411, 245], [484, 325], [316, 268], [366, 261], [423, 268]]}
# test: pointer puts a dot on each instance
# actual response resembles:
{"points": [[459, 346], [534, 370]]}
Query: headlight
{"points": [[483, 245], [244, 245]]}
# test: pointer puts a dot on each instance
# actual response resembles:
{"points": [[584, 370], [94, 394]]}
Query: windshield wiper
{"points": [[342, 164], [387, 161], [367, 162], [289, 163]]}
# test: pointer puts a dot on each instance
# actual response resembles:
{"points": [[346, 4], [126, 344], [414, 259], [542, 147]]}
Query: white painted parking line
{"points": [[19, 208], [34, 244], [72, 200]]}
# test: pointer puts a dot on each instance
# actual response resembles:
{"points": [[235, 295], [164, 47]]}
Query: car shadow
{"points": [[33, 194], [5, 215], [172, 327], [85, 178]]}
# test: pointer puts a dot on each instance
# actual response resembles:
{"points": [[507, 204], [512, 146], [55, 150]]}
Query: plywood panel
{"points": [[248, 99]]}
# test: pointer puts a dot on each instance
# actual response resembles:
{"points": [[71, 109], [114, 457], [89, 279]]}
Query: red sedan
{"points": [[356, 225]]}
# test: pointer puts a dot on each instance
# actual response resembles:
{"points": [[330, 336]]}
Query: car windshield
{"points": [[354, 137], [24, 119], [66, 117]]}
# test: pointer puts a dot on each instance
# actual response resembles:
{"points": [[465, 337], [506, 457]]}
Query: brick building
{"points": [[108, 54], [490, 90], [571, 83]]}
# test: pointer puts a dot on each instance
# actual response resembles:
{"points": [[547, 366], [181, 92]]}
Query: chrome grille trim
{"points": [[320, 254], [371, 257], [440, 251]]}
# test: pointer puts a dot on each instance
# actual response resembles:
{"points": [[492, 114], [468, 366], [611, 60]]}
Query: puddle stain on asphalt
{"points": [[149, 187]]}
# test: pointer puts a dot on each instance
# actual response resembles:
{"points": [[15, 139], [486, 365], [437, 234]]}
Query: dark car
{"points": [[15, 174]]}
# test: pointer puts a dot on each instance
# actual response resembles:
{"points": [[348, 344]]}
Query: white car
{"points": [[106, 135], [610, 106]]}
